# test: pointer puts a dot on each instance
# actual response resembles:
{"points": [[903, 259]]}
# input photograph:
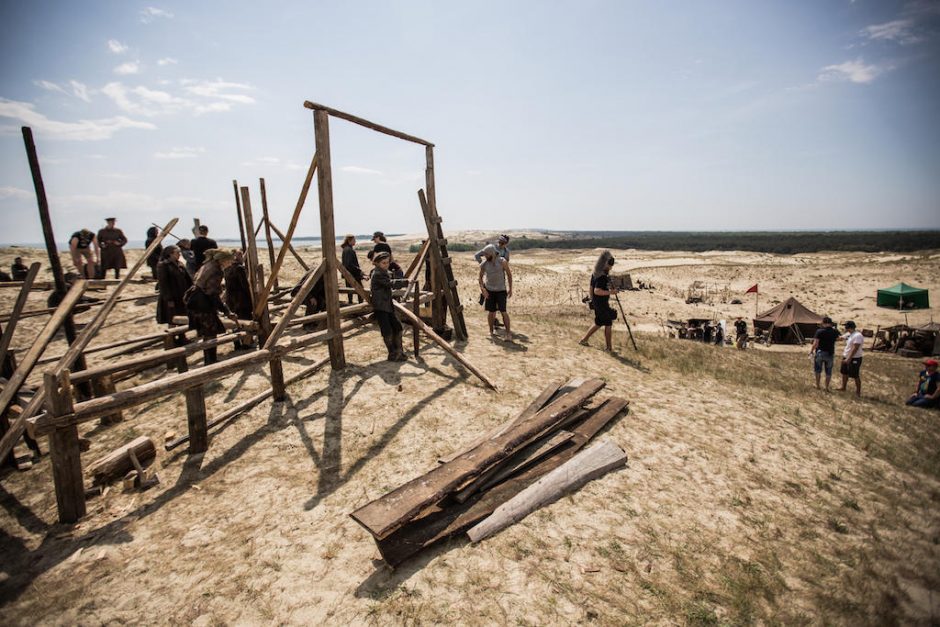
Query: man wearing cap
{"points": [[502, 249], [111, 241], [824, 350], [852, 358], [380, 245], [928, 387], [496, 286], [381, 285], [199, 246]]}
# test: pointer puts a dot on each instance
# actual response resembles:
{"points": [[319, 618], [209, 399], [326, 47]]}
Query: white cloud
{"points": [[854, 71], [82, 130], [202, 97], [151, 13], [131, 67], [355, 169], [901, 31], [167, 61], [116, 47], [15, 192], [218, 89], [184, 152], [80, 90], [50, 86]]}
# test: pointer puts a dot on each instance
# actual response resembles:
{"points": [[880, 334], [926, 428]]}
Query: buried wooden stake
{"points": [[65, 450]]}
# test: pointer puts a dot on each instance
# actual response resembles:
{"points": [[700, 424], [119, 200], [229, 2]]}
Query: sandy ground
{"points": [[749, 496]]}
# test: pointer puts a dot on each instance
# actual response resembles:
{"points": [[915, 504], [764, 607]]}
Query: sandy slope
{"points": [[749, 496]]}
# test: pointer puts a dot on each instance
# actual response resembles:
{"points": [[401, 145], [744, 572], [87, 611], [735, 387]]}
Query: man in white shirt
{"points": [[852, 357]]}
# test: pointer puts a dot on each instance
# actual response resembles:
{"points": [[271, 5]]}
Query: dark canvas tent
{"points": [[789, 322], [903, 296]]}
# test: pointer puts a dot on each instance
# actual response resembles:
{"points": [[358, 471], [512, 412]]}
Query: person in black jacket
{"points": [[601, 291], [154, 257], [204, 301], [172, 283], [238, 293], [351, 262], [19, 270], [382, 285], [199, 247]]}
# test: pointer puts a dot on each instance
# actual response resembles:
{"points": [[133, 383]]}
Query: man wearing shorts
{"points": [[824, 350], [851, 366], [496, 286]]}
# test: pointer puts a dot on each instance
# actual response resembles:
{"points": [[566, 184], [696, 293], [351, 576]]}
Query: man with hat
{"points": [[852, 358], [928, 387], [111, 242], [495, 280], [502, 249], [381, 246], [824, 350]]}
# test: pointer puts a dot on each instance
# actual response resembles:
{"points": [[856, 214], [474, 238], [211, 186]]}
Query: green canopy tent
{"points": [[903, 296]]}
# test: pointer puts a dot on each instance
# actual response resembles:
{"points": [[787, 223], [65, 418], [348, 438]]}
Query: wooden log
{"points": [[263, 297], [389, 512], [248, 404], [356, 285], [18, 306], [102, 386], [366, 123], [285, 242], [437, 262], [127, 342], [540, 401], [447, 347], [414, 268], [267, 229], [80, 308], [321, 127], [31, 357], [251, 257], [295, 304], [415, 329], [196, 419], [118, 462], [65, 450], [238, 212], [447, 519], [52, 250], [583, 467]]}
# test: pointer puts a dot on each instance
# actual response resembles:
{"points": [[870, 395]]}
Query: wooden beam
{"points": [[80, 308], [321, 127], [51, 249], [300, 260], [263, 297], [238, 212], [103, 347], [366, 123], [267, 229], [414, 268], [577, 471], [17, 310], [26, 365], [295, 304], [65, 451], [356, 285], [443, 344], [389, 512]]}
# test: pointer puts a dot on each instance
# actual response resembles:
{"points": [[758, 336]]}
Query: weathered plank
{"points": [[118, 462], [389, 512], [449, 518], [577, 471], [17, 310], [349, 117]]}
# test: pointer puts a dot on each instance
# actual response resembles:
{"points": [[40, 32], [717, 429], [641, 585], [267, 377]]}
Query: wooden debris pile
{"points": [[502, 476]]}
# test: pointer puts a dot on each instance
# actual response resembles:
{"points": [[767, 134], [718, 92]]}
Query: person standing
{"points": [[719, 333], [189, 259], [740, 331], [85, 254], [238, 293], [823, 350], [382, 285], [200, 245], [601, 291], [154, 258], [928, 387], [495, 280], [172, 283], [502, 248], [111, 241], [351, 262], [203, 299], [851, 365]]}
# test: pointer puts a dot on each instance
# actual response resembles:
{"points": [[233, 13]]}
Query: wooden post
{"points": [[267, 229], [416, 306], [51, 249], [438, 307], [290, 247], [64, 450], [290, 233], [17, 310], [321, 125], [238, 211], [251, 253], [196, 419], [103, 386]]}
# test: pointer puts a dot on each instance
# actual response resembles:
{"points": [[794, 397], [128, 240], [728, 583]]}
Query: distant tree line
{"points": [[781, 242]]}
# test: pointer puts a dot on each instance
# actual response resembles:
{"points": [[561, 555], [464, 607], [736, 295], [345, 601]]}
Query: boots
{"points": [[210, 356], [399, 349], [390, 345]]}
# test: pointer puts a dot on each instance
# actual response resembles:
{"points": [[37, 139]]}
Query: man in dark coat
{"points": [[19, 269], [111, 241], [199, 247], [172, 283], [238, 293]]}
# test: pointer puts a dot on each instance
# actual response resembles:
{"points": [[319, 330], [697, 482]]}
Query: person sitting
{"points": [[19, 270], [382, 285], [928, 387]]}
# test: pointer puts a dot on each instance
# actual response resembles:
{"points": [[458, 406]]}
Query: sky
{"points": [[588, 115]]}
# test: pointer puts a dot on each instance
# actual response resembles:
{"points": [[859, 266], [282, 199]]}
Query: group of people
{"points": [[94, 254]]}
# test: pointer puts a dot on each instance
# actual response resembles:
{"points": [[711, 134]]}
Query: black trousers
{"points": [[388, 323]]}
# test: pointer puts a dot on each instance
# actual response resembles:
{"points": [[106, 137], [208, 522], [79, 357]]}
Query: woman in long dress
{"points": [[204, 299], [172, 283]]}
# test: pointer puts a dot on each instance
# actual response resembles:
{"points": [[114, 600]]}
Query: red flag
{"points": [[752, 289]]}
